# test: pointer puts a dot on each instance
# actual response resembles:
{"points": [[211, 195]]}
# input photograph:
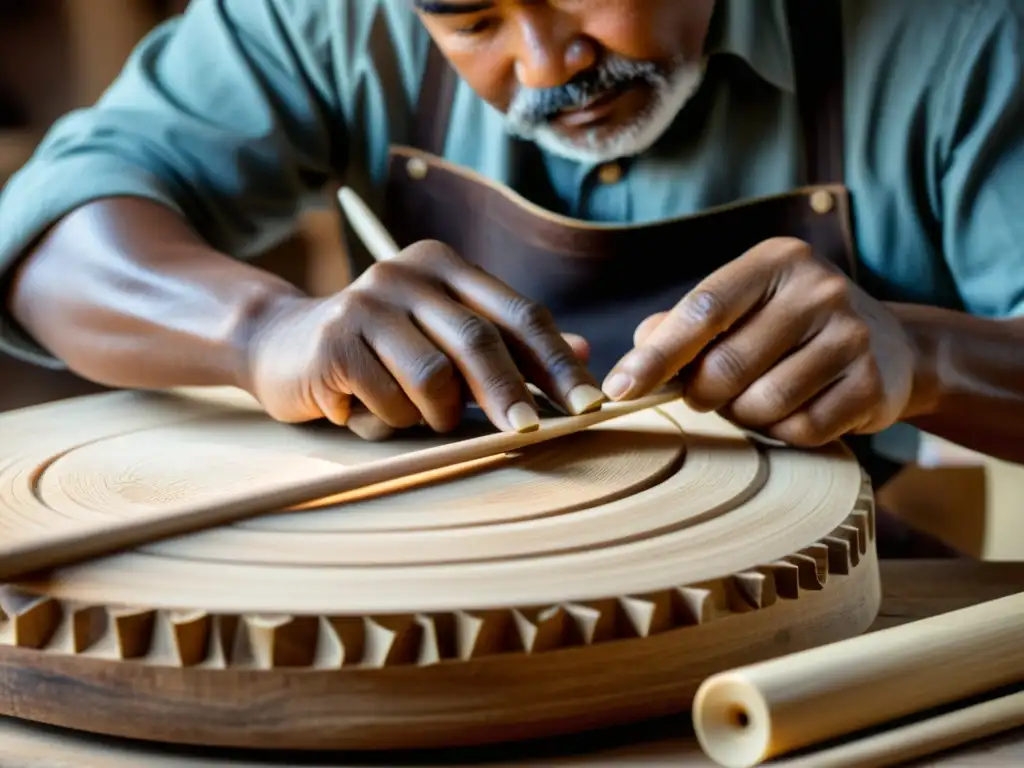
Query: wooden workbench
{"points": [[913, 590]]}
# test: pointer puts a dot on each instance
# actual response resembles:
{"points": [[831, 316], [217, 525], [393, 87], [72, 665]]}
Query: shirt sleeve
{"points": [[981, 185], [224, 114]]}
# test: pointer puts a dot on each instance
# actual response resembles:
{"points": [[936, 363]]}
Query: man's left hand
{"points": [[779, 342]]}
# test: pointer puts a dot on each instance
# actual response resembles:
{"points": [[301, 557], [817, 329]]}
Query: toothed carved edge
{"points": [[198, 639]]}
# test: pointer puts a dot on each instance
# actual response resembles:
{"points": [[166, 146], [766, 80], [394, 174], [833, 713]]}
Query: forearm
{"points": [[970, 387], [127, 295]]}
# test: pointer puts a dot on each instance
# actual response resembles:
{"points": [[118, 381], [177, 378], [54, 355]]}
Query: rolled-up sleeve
{"points": [[225, 114], [981, 148]]}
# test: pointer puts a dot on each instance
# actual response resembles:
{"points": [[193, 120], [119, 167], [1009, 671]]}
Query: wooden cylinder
{"points": [[748, 715]]}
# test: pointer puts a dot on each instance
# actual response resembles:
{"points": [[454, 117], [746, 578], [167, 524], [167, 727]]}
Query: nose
{"points": [[552, 51]]}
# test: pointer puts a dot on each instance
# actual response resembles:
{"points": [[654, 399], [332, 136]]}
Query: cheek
{"points": [[487, 67], [492, 77]]}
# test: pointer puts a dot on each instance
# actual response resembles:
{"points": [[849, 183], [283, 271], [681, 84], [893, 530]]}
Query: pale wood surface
{"points": [[525, 604], [144, 521], [912, 589]]}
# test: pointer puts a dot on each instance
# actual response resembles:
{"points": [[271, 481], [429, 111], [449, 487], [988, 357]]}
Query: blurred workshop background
{"points": [[57, 55]]}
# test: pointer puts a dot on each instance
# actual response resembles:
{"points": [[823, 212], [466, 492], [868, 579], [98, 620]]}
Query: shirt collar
{"points": [[756, 31]]}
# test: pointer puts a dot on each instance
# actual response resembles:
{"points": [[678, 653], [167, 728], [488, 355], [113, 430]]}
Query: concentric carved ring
{"points": [[586, 573]]}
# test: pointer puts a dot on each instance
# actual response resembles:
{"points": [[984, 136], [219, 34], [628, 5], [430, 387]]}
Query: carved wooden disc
{"points": [[587, 580]]}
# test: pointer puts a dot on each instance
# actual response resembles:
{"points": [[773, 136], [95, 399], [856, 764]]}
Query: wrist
{"points": [[258, 312], [920, 330]]}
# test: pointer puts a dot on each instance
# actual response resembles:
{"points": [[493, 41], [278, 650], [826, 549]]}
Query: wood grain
{"points": [[558, 587], [226, 502], [911, 589]]}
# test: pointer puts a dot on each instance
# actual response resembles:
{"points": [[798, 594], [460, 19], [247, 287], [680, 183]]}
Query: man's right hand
{"points": [[407, 340]]}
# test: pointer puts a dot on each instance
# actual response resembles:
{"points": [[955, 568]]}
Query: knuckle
{"points": [[787, 250], [430, 253], [530, 317], [432, 373], [705, 307], [477, 335], [867, 383], [345, 358], [831, 291], [503, 387], [725, 366], [346, 311], [380, 277], [388, 391], [559, 360], [772, 399], [856, 337]]}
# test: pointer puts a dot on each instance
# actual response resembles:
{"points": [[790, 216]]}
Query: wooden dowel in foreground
{"points": [[752, 714], [922, 738]]}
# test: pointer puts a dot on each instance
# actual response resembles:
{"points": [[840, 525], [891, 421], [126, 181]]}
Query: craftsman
{"points": [[125, 241]]}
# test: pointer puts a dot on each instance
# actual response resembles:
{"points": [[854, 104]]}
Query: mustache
{"points": [[533, 106]]}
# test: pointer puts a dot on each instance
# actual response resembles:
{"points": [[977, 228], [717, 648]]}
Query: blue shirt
{"points": [[237, 113]]}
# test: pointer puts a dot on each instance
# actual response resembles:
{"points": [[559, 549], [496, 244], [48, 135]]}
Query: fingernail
{"points": [[585, 398], [618, 385], [523, 418]]}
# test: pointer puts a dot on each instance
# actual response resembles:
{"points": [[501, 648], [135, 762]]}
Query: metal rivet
{"points": [[822, 201], [610, 173], [417, 168]]}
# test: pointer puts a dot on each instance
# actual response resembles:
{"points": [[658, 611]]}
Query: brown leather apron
{"points": [[601, 281]]}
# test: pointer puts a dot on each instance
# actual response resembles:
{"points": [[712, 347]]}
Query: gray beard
{"points": [[529, 115]]}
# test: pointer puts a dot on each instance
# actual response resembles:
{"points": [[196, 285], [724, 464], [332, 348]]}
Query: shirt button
{"points": [[610, 173], [822, 201]]}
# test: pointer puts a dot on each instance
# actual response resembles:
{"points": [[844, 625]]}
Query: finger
{"points": [[533, 338], [429, 379], [368, 426], [478, 351], [360, 373], [545, 356], [709, 310], [796, 379], [646, 328], [335, 405], [341, 409], [580, 346], [737, 359], [841, 409]]}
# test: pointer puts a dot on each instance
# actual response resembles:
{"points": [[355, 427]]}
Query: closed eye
{"points": [[481, 25]]}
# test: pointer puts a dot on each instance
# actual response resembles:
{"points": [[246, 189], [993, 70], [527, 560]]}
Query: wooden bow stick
{"points": [[92, 538]]}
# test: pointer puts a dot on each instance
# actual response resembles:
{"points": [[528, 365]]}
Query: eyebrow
{"points": [[450, 8]]}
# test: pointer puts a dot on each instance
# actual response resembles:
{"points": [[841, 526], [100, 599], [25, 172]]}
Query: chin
{"points": [[604, 143]]}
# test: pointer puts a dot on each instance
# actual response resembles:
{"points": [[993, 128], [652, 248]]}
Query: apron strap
{"points": [[816, 34], [434, 104]]}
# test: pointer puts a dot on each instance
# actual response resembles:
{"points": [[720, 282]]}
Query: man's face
{"points": [[591, 80]]}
